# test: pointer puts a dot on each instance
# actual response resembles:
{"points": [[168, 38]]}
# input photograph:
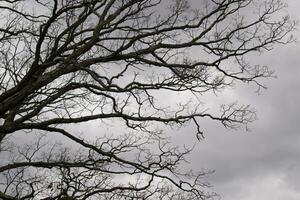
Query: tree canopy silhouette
{"points": [[67, 63]]}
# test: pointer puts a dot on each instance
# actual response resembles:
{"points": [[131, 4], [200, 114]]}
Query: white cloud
{"points": [[272, 187]]}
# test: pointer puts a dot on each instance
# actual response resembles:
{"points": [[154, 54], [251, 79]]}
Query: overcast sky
{"points": [[262, 164]]}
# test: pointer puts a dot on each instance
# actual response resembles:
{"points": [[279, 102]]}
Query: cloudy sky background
{"points": [[264, 163]]}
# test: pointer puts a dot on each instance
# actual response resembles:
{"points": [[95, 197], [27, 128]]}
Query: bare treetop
{"points": [[66, 62]]}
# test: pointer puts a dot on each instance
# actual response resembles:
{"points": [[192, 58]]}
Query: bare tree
{"points": [[68, 62]]}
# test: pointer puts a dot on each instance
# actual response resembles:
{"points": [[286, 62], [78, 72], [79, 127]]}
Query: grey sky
{"points": [[264, 163]]}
